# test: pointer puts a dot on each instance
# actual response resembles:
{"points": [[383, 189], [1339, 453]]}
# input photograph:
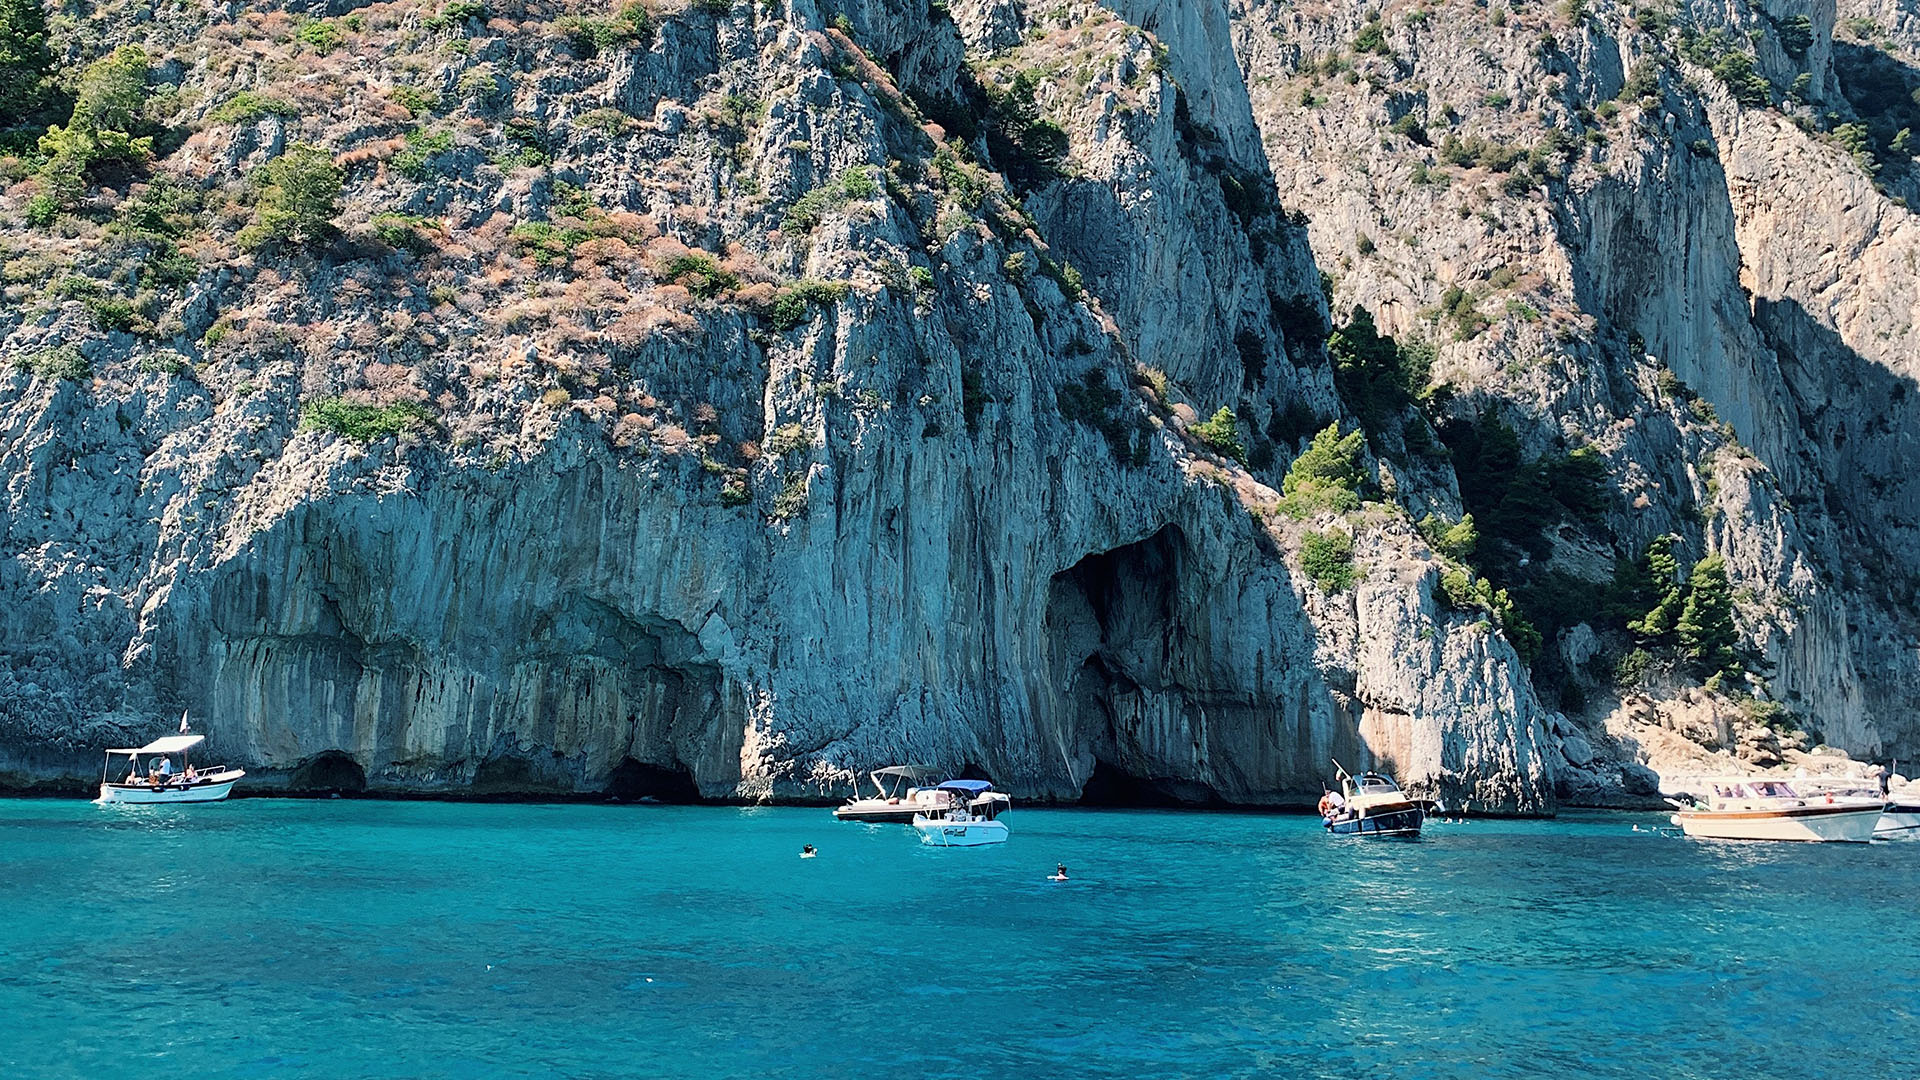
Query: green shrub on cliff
{"points": [[591, 36], [1327, 558], [247, 106], [1456, 540], [362, 423], [794, 304], [1221, 433], [58, 362], [700, 274], [854, 185], [299, 198], [1462, 590], [110, 96], [1326, 476], [1377, 376], [26, 64]]}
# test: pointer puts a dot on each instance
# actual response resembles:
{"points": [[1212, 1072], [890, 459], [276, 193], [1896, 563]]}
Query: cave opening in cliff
{"points": [[328, 772], [1117, 638], [637, 781], [1113, 785]]}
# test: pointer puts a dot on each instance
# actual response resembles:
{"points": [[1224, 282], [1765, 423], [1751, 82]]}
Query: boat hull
{"points": [[1900, 821], [900, 815], [141, 794], [938, 833], [1814, 823], [1402, 822]]}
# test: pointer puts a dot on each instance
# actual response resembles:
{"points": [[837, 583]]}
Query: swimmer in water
{"points": [[808, 852], [1060, 872]]}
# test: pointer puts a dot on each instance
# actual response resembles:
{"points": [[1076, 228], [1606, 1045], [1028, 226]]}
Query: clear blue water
{"points": [[369, 939]]}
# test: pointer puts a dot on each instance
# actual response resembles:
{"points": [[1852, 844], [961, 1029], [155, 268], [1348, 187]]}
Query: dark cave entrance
{"points": [[1116, 631], [637, 781], [330, 771]]}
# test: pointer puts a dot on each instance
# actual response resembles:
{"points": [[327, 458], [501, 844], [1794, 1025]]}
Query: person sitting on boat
{"points": [[1331, 803], [190, 775]]}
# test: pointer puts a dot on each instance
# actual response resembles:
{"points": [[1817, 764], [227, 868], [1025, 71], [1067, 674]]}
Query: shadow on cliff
{"points": [[1885, 93], [1861, 416]]}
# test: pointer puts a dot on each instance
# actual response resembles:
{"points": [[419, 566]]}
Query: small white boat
{"points": [[162, 782], [958, 828], [1761, 808], [1901, 819], [899, 797]]}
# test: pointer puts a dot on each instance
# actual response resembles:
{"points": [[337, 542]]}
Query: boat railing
{"points": [[200, 776]]}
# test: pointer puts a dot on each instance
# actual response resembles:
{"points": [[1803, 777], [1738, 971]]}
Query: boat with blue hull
{"points": [[1372, 806]]}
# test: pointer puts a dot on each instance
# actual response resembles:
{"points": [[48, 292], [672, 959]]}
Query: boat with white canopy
{"points": [[162, 781], [900, 795], [957, 825]]}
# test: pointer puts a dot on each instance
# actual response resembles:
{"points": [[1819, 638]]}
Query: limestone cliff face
{"points": [[759, 425], [729, 400], [1679, 235]]}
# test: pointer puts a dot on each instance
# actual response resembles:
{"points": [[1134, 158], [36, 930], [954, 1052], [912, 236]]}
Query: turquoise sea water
{"points": [[371, 939]]}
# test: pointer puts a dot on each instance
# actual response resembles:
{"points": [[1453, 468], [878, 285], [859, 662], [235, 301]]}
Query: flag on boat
{"points": [[183, 723]]}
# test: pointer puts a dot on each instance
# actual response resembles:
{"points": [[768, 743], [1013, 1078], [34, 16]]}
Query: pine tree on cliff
{"points": [[1661, 575], [25, 62], [1706, 630]]}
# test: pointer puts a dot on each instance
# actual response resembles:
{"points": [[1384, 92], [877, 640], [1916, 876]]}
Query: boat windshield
{"points": [[1375, 784], [1768, 789]]}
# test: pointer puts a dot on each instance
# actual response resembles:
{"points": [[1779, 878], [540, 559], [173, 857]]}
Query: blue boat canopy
{"points": [[972, 787]]}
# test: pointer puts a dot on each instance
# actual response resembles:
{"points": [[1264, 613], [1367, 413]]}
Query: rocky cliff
{"points": [[726, 400]]}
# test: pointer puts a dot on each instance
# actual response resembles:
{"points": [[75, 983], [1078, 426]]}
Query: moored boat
{"points": [[959, 828], [162, 782], [1372, 805], [1901, 818], [900, 796], [1764, 808]]}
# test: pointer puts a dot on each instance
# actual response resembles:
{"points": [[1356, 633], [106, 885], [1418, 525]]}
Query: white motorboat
{"points": [[959, 828], [1901, 819], [900, 796], [162, 782], [1761, 808]]}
